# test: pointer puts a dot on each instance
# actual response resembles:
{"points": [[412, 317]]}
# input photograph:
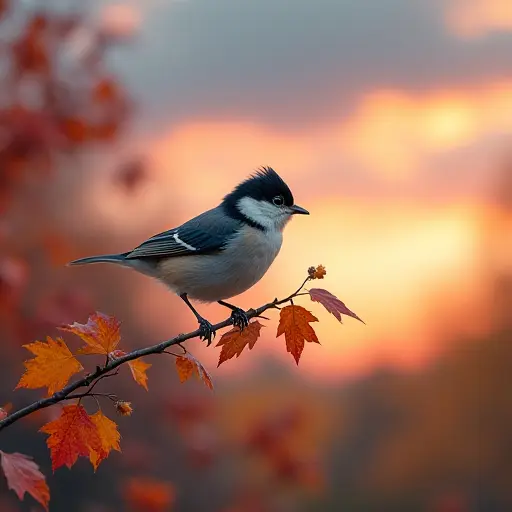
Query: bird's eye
{"points": [[278, 200]]}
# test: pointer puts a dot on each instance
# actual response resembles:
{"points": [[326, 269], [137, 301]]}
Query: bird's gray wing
{"points": [[206, 233]]}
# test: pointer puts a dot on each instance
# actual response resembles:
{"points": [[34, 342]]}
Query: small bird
{"points": [[220, 253]]}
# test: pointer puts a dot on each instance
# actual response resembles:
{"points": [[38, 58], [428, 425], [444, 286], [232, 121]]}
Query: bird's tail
{"points": [[105, 258]]}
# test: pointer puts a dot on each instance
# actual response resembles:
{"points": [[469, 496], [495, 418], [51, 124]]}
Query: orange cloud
{"points": [[393, 132], [476, 18], [390, 134]]}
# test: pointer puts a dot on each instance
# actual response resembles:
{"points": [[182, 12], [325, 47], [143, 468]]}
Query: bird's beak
{"points": [[298, 210]]}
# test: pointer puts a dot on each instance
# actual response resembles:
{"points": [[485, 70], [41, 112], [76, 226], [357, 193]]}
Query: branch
{"points": [[90, 380]]}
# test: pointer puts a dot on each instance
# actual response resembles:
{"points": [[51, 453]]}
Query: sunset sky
{"points": [[389, 119]]}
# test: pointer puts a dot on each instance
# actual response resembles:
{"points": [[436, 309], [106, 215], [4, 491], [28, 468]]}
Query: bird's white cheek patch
{"points": [[182, 243]]}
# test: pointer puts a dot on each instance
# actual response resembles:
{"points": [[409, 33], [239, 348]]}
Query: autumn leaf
{"points": [[100, 333], [23, 476], [52, 367], [109, 436], [137, 367], [187, 365], [148, 495], [294, 324], [233, 342], [72, 435], [331, 303]]}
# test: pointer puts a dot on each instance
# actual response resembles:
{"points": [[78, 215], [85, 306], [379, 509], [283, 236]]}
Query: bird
{"points": [[220, 253]]}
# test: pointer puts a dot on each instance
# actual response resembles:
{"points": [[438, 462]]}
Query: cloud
{"points": [[477, 18], [287, 63]]}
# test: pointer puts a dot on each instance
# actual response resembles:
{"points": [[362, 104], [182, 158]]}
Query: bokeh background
{"points": [[391, 121]]}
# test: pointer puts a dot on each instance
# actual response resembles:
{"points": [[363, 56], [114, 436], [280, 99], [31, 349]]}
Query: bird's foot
{"points": [[239, 318], [206, 331]]}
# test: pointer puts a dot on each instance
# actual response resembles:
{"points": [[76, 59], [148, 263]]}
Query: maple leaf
{"points": [[23, 476], [109, 436], [73, 434], [294, 324], [137, 367], [52, 367], [331, 303], [234, 341], [187, 365], [100, 333]]}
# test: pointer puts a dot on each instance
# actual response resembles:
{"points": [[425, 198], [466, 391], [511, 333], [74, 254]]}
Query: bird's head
{"points": [[263, 200]]}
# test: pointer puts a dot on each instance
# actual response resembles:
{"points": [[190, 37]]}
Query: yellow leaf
{"points": [[138, 369], [100, 333], [52, 367], [109, 437]]}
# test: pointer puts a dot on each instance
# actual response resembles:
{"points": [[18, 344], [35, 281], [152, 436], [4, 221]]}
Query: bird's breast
{"points": [[212, 277]]}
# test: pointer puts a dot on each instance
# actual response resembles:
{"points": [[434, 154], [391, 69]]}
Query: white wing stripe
{"points": [[182, 243]]}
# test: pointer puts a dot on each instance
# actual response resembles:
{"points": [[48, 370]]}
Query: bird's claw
{"points": [[206, 331], [239, 318]]}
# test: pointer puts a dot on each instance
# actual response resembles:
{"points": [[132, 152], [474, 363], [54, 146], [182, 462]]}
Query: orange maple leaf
{"points": [[294, 324], [23, 476], [137, 367], [233, 342], [73, 434], [100, 333], [331, 303], [52, 367], [109, 436], [187, 365], [147, 495]]}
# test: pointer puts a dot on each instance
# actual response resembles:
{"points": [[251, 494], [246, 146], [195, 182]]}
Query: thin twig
{"points": [[100, 373], [110, 396]]}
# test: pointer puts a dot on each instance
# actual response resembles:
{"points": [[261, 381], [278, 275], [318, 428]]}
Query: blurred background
{"points": [[391, 121]]}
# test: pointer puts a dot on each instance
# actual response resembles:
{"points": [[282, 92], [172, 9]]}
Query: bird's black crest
{"points": [[265, 184]]}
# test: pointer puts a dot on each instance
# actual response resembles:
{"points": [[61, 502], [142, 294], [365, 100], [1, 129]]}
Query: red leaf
{"points": [[73, 434], [331, 303], [23, 476]]}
